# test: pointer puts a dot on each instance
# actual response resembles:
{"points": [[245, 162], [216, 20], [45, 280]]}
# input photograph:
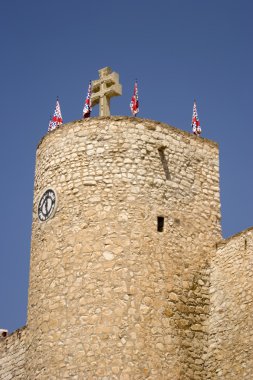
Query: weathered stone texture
{"points": [[111, 297], [231, 315], [12, 355]]}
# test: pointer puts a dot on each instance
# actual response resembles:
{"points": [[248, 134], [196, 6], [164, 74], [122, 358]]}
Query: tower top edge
{"points": [[147, 123]]}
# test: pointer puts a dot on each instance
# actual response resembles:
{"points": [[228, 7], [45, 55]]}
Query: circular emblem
{"points": [[46, 205]]}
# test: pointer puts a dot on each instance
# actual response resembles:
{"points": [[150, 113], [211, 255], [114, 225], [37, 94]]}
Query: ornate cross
{"points": [[104, 88]]}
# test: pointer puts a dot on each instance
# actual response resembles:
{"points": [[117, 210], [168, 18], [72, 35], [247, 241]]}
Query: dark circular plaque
{"points": [[47, 205]]}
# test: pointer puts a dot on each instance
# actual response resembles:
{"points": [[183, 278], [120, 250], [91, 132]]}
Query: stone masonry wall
{"points": [[110, 296], [12, 355], [231, 318]]}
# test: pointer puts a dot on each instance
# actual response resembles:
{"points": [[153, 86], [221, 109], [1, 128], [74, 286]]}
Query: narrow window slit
{"points": [[160, 223], [164, 163]]}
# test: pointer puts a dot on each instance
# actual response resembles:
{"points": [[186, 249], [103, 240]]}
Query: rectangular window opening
{"points": [[160, 223]]}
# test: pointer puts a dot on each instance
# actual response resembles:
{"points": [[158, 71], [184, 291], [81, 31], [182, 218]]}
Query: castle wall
{"points": [[231, 314], [12, 355], [110, 296]]}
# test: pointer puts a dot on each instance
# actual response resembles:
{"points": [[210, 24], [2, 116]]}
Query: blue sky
{"points": [[179, 50]]}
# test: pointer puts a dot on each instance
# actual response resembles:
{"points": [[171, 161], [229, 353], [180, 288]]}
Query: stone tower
{"points": [[130, 211], [129, 275]]}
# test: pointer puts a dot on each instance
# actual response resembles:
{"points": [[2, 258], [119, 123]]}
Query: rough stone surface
{"points": [[230, 354], [110, 296], [106, 289], [12, 355]]}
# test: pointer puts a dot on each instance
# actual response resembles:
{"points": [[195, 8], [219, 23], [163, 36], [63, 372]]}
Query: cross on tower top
{"points": [[104, 88]]}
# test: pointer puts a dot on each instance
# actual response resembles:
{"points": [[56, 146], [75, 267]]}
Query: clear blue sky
{"points": [[179, 50]]}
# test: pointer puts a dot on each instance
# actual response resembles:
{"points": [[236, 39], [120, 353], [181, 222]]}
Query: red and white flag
{"points": [[196, 128], [56, 121], [50, 125], [87, 104], [134, 104]]}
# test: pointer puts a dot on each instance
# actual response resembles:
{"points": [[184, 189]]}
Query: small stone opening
{"points": [[160, 223], [164, 162]]}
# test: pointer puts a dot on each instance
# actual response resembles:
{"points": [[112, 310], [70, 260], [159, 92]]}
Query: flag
{"points": [[50, 125], [56, 120], [134, 104], [196, 128], [87, 104]]}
